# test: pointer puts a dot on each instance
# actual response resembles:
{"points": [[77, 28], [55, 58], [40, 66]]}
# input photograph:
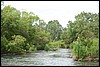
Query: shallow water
{"points": [[61, 57]]}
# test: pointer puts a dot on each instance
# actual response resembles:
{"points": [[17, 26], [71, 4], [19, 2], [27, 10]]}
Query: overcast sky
{"points": [[63, 11]]}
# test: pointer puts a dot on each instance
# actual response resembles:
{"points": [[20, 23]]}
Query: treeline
{"points": [[23, 32], [83, 36]]}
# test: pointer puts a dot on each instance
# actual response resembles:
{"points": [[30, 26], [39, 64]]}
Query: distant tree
{"points": [[55, 30]]}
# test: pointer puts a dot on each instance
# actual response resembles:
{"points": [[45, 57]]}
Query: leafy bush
{"points": [[47, 47], [4, 43], [86, 48], [54, 45], [75, 48], [93, 51], [17, 44], [40, 47], [82, 52], [32, 48], [12, 48], [27, 46]]}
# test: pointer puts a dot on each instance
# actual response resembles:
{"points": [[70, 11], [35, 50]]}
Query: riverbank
{"points": [[85, 59], [15, 53]]}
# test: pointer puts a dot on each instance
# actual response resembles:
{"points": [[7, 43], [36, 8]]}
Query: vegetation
{"points": [[25, 32], [55, 30], [82, 35], [55, 45], [17, 31]]}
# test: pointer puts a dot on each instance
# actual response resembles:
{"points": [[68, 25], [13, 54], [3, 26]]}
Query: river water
{"points": [[61, 57]]}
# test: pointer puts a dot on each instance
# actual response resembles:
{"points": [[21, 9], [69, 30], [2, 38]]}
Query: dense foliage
{"points": [[55, 30], [55, 45], [18, 34], [82, 35]]}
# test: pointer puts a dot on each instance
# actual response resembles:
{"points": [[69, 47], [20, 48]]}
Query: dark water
{"points": [[60, 57]]}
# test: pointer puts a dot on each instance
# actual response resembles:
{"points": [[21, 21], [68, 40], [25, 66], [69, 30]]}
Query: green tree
{"points": [[83, 31], [55, 30], [85, 25], [9, 16], [14, 22], [42, 37]]}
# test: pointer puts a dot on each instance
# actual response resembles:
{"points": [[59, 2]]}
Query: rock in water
{"points": [[75, 58]]}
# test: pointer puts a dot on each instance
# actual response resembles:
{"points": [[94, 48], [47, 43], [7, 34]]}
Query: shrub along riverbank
{"points": [[86, 50], [55, 45]]}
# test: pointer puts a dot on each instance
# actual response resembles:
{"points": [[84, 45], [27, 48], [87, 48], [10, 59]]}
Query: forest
{"points": [[23, 32]]}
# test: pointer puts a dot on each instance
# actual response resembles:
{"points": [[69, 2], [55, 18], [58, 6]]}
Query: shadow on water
{"points": [[60, 57]]}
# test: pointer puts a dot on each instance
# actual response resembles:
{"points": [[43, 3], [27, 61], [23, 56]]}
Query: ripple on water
{"points": [[44, 58]]}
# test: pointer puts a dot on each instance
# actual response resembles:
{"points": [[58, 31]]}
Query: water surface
{"points": [[61, 57]]}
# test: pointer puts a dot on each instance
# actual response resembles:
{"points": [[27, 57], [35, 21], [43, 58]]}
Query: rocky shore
{"points": [[85, 59]]}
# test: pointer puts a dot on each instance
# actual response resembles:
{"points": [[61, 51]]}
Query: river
{"points": [[61, 57]]}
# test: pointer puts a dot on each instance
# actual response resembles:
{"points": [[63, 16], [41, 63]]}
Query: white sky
{"points": [[63, 11]]}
